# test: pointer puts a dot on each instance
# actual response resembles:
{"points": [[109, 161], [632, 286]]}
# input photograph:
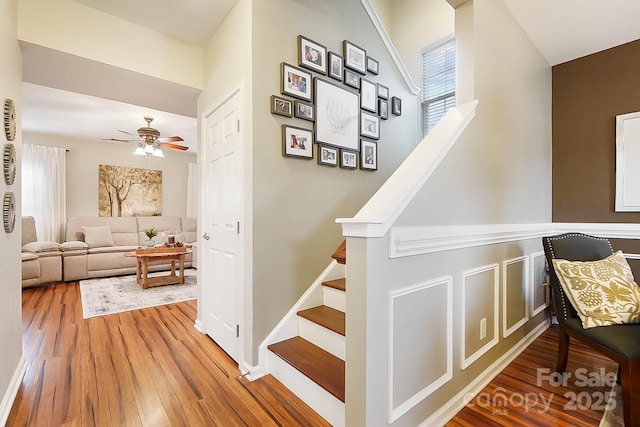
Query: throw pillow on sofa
{"points": [[97, 237]]}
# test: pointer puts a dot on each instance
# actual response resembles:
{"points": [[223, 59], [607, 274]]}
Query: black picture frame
{"points": [[355, 57], [295, 82], [369, 125], [281, 106], [348, 159], [396, 106], [351, 79], [368, 95], [383, 109], [368, 155], [383, 91], [304, 110], [297, 142], [312, 55], [335, 64], [373, 66], [327, 156]]}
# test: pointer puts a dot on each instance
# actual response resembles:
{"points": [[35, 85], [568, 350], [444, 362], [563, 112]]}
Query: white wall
{"points": [[83, 159], [10, 284]]}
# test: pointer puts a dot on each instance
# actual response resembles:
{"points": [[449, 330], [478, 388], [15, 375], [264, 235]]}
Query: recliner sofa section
{"points": [[41, 260]]}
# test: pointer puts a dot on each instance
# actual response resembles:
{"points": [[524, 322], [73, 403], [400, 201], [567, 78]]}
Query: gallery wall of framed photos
{"points": [[339, 93]]}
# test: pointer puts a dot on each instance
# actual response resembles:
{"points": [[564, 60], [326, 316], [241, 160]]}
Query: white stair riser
{"points": [[334, 298], [324, 338], [323, 402]]}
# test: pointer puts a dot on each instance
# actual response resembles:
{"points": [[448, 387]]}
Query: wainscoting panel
{"points": [[480, 300], [539, 285], [515, 288], [420, 327]]}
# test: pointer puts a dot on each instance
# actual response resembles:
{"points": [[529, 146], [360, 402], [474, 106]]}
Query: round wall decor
{"points": [[9, 119], [9, 163], [9, 212]]}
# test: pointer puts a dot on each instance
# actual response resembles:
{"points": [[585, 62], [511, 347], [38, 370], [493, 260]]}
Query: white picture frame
{"points": [[336, 115]]}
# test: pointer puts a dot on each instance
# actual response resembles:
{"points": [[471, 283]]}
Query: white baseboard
{"points": [[459, 401], [12, 391], [199, 326]]}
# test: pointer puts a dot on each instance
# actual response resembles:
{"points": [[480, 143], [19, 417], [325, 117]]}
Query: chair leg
{"points": [[563, 350], [630, 384]]}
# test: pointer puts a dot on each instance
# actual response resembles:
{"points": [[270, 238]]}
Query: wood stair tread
{"points": [[326, 316], [322, 367], [339, 284], [340, 253]]}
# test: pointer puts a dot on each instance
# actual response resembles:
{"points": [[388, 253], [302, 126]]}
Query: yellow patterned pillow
{"points": [[602, 292]]}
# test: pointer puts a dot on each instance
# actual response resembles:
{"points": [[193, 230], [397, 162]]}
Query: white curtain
{"points": [[44, 190], [192, 190]]}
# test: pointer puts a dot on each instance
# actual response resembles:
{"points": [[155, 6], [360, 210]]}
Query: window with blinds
{"points": [[438, 72]]}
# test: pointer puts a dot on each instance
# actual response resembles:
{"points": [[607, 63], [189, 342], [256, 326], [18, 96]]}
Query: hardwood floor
{"points": [[151, 367], [147, 367], [524, 395]]}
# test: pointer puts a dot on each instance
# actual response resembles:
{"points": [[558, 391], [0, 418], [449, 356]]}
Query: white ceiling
{"points": [[564, 30], [561, 29]]}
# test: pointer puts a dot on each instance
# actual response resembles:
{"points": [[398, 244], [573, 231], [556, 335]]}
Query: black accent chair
{"points": [[620, 343]]}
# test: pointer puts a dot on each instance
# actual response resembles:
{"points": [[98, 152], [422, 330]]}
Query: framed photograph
{"points": [[348, 159], [351, 79], [368, 155], [312, 55], [336, 66], [383, 91], [336, 115], [372, 65], [303, 110], [327, 156], [396, 106], [383, 109], [369, 125], [368, 95], [295, 82], [354, 57], [281, 106], [297, 142]]}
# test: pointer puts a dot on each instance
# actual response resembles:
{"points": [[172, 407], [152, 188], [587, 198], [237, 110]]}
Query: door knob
{"points": [[205, 236]]}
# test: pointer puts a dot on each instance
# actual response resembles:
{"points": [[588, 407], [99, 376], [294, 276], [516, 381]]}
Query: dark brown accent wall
{"points": [[587, 95]]}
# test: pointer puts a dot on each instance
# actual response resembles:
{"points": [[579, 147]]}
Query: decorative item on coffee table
{"points": [[150, 233]]}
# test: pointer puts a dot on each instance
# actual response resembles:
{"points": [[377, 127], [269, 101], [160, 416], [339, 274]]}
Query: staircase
{"points": [[311, 364]]}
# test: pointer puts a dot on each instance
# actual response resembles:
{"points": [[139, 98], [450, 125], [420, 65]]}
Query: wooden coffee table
{"points": [[146, 256]]}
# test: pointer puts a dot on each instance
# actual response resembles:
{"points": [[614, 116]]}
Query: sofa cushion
{"points": [[110, 249], [97, 237], [74, 245], [29, 256], [602, 292], [28, 230], [39, 247], [123, 229]]}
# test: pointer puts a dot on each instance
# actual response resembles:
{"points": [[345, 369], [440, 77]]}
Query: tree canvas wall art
{"points": [[124, 191]]}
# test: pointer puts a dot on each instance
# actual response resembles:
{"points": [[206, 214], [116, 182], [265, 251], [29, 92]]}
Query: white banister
{"points": [[376, 217]]}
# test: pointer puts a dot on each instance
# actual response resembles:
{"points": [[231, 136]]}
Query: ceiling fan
{"points": [[149, 141]]}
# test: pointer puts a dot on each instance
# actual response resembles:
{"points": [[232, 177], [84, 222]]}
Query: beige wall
{"points": [[296, 201], [417, 24], [83, 159], [95, 35], [500, 169], [10, 287]]}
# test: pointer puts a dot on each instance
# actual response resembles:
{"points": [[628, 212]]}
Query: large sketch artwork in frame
{"points": [[337, 122]]}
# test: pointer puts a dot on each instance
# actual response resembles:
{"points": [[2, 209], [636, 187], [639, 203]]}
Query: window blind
{"points": [[438, 69]]}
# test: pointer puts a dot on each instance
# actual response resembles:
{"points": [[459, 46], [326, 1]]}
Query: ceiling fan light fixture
{"points": [[148, 149], [158, 153], [139, 151]]}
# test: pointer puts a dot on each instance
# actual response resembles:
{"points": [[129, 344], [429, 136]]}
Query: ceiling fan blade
{"points": [[176, 146], [171, 139], [116, 139], [124, 131]]}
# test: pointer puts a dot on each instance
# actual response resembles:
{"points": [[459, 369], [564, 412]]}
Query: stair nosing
{"points": [[317, 315]]}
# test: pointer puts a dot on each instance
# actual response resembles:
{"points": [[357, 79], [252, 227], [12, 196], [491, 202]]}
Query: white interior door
{"points": [[222, 193]]}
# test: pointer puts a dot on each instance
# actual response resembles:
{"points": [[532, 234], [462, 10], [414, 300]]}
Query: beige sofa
{"points": [[41, 261], [95, 246]]}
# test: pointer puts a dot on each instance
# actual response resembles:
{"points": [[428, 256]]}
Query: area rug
{"points": [[111, 295], [612, 416]]}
